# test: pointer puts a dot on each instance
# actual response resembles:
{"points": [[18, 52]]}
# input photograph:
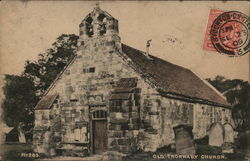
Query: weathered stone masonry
{"points": [[112, 87]]}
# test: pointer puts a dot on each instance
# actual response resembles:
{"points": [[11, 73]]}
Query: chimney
{"points": [[147, 48]]}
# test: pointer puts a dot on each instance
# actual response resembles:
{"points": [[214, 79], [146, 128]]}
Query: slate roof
{"points": [[169, 78], [46, 102], [173, 79]]}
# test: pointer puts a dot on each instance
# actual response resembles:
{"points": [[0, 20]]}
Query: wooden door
{"points": [[99, 136]]}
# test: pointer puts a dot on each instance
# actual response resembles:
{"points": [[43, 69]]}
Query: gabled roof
{"points": [[169, 78], [46, 102], [173, 79]]}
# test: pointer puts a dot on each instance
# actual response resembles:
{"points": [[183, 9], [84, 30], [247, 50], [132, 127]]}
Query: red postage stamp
{"points": [[227, 33], [207, 45]]}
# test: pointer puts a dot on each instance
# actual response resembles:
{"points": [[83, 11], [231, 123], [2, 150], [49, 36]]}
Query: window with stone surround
{"points": [[116, 105], [73, 100], [89, 70], [92, 70]]}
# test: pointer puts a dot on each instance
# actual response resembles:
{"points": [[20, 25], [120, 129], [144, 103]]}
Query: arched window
{"points": [[89, 26], [99, 114]]}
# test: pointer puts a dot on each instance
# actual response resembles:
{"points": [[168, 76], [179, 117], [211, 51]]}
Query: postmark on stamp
{"points": [[229, 33], [207, 45]]}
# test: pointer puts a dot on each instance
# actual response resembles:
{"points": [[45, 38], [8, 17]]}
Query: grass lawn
{"points": [[12, 152]]}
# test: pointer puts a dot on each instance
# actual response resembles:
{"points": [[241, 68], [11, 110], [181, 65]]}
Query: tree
{"points": [[51, 63], [23, 92], [241, 108], [237, 93], [20, 98]]}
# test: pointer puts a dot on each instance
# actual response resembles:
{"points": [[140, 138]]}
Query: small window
{"points": [[91, 70], [116, 106], [73, 100]]}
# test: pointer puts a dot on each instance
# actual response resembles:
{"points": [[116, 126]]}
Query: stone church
{"points": [[113, 97]]}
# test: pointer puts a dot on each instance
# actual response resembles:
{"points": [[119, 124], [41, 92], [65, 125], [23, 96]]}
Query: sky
{"points": [[177, 30]]}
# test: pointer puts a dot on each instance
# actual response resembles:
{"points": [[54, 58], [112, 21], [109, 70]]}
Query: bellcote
{"points": [[98, 23]]}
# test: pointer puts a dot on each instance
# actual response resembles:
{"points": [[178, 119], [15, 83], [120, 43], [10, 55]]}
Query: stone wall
{"points": [[147, 125], [124, 115], [206, 115], [158, 116], [85, 86], [82, 90], [145, 121], [41, 131]]}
